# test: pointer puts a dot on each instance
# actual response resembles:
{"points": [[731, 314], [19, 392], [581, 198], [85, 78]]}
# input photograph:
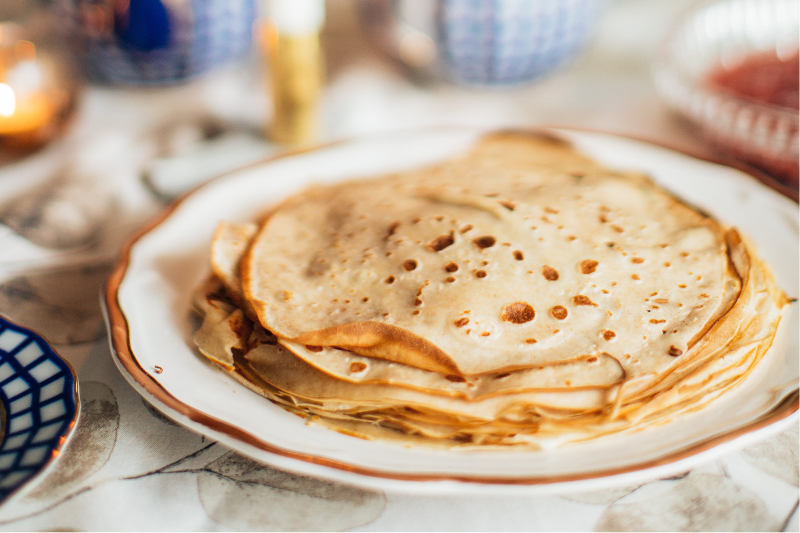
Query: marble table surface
{"points": [[66, 211]]}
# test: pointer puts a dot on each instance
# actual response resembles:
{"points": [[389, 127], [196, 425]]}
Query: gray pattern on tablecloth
{"points": [[601, 497], [89, 448], [778, 456], [244, 495], [63, 303], [697, 502]]}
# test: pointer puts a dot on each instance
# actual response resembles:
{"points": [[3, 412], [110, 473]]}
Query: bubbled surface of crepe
{"points": [[505, 259]]}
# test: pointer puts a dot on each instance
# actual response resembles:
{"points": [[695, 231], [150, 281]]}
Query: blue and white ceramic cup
{"points": [[152, 42], [506, 42]]}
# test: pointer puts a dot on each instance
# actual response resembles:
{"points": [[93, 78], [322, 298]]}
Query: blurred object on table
{"points": [[67, 212], [731, 67], [405, 31], [481, 42], [38, 87], [205, 157], [153, 42], [290, 39], [61, 301]]}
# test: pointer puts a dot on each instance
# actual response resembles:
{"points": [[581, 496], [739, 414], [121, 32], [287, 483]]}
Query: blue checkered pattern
{"points": [[37, 389], [203, 34], [512, 41]]}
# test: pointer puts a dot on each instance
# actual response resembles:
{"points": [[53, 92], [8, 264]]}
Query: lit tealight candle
{"points": [[31, 102], [24, 114]]}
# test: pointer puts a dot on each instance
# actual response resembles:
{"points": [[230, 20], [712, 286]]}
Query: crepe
{"points": [[396, 292], [518, 293]]}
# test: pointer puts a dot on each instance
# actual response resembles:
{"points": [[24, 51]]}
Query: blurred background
{"points": [[109, 109]]}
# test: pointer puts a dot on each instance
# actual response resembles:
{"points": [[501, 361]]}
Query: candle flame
{"points": [[8, 100]]}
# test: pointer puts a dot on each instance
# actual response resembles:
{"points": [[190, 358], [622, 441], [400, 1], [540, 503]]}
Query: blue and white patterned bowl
{"points": [[39, 396], [152, 42], [504, 42]]}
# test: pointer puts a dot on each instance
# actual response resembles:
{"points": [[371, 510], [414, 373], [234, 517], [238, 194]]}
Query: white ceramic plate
{"points": [[148, 298]]}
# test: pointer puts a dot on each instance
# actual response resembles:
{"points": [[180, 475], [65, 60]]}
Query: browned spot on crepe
{"points": [[409, 265], [588, 266], [391, 230], [440, 243], [357, 367], [583, 300], [549, 273], [608, 334], [487, 241], [518, 313]]}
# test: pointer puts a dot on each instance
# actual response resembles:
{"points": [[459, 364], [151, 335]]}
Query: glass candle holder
{"points": [[37, 91]]}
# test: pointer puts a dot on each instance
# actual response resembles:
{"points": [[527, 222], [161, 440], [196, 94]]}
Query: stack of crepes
{"points": [[519, 294]]}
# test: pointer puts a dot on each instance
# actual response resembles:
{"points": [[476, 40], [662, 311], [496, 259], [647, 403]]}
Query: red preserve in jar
{"points": [[763, 78], [767, 85]]}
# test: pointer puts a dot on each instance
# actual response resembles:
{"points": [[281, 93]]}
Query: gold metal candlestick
{"points": [[292, 41], [296, 76]]}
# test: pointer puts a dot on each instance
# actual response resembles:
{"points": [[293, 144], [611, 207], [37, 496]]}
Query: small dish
{"points": [[39, 399], [147, 302], [718, 37]]}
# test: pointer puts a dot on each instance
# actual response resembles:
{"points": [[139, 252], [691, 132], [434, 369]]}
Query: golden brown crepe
{"points": [[517, 293]]}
